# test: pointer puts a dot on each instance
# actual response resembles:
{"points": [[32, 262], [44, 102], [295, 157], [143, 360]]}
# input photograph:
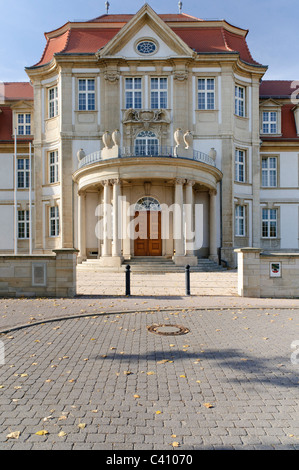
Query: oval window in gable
{"points": [[146, 47]]}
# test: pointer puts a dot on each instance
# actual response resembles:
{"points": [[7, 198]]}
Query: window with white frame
{"points": [[269, 172], [269, 223], [133, 93], [53, 167], [206, 93], [23, 224], [159, 93], [86, 94], [23, 173], [240, 160], [269, 124], [240, 221], [146, 143], [54, 221], [53, 102], [24, 124], [239, 101]]}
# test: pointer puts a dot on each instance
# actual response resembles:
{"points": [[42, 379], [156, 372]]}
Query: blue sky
{"points": [[273, 36]]}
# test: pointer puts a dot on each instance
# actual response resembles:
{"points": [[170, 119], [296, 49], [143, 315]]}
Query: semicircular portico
{"points": [[186, 190]]}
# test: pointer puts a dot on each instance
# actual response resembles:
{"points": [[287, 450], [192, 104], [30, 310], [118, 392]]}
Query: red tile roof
{"points": [[202, 36], [17, 91], [276, 88], [282, 89], [11, 91], [5, 123]]}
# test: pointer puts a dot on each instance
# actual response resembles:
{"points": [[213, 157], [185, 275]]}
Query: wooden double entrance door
{"points": [[147, 240]]}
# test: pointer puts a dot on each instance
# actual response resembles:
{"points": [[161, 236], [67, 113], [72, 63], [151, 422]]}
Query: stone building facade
{"points": [[150, 135]]}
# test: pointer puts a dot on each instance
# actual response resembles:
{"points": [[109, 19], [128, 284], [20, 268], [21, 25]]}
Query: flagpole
{"points": [[15, 197], [30, 202]]}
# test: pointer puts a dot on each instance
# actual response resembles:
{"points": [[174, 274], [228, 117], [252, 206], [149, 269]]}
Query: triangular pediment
{"points": [[22, 105], [270, 103], [146, 25]]}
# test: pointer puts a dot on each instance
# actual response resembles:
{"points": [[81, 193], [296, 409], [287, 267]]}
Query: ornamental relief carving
{"points": [[111, 76], [146, 116]]}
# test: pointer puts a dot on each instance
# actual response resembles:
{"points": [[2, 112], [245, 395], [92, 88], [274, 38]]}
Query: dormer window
{"points": [[269, 124], [24, 124], [270, 117]]}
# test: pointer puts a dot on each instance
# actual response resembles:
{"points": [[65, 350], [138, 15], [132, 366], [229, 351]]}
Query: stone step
{"points": [[152, 265]]}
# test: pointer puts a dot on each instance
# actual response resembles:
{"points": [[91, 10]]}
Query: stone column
{"points": [[111, 257], [213, 226], [116, 250], [178, 229], [189, 209], [81, 226], [107, 219]]}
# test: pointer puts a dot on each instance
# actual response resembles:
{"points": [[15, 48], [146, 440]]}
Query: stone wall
{"points": [[264, 274], [51, 275]]}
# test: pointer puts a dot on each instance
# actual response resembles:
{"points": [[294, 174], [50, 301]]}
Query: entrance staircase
{"points": [[152, 264]]}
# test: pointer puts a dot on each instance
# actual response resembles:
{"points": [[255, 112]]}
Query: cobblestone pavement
{"points": [[102, 380], [223, 283]]}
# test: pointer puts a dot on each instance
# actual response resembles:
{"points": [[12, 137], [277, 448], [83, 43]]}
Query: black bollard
{"points": [[187, 279], [128, 287]]}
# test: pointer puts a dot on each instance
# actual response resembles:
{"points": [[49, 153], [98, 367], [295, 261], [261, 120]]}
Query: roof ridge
{"points": [[67, 41], [225, 40]]}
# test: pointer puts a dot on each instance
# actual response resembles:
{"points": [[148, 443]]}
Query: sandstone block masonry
{"points": [[52, 275], [264, 274]]}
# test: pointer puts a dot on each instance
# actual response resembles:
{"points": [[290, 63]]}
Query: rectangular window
{"points": [[240, 221], [240, 101], [240, 166], [133, 93], [206, 93], [158, 93], [269, 122], [86, 97], [53, 102], [24, 124], [54, 221], [23, 224], [269, 223], [23, 173], [53, 167], [269, 172]]}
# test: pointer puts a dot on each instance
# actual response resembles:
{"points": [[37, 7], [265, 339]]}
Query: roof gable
{"points": [[147, 22]]}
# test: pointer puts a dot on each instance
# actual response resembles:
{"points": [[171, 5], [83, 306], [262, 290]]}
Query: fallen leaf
{"points": [[158, 412], [136, 396], [208, 405], [81, 425], [61, 434], [43, 432], [175, 444], [47, 418], [13, 435]]}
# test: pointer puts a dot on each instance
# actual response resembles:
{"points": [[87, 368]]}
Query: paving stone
{"points": [[237, 396]]}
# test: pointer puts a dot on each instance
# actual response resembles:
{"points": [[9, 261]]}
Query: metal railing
{"points": [[151, 151]]}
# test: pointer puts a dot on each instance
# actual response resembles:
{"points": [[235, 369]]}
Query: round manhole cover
{"points": [[169, 330]]}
